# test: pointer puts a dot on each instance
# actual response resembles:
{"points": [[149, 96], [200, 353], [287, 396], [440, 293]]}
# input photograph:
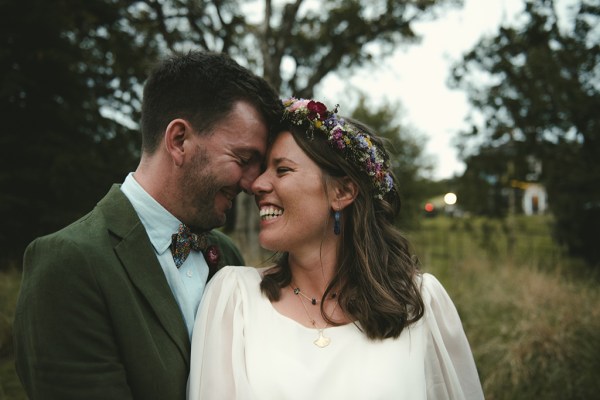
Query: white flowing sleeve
{"points": [[217, 368], [449, 365]]}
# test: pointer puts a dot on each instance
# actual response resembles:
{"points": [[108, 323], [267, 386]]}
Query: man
{"points": [[107, 304]]}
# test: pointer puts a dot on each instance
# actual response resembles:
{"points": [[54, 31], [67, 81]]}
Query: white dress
{"points": [[242, 348]]}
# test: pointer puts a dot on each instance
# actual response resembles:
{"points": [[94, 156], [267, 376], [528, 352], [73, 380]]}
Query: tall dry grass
{"points": [[532, 316]]}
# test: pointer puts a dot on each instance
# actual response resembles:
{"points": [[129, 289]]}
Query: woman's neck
{"points": [[312, 273]]}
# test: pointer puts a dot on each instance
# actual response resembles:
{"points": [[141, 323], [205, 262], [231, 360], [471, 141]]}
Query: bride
{"points": [[344, 313]]}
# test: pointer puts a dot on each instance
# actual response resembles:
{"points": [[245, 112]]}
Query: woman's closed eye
{"points": [[283, 170]]}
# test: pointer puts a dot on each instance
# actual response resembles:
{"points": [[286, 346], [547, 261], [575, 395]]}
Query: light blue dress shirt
{"points": [[188, 281]]}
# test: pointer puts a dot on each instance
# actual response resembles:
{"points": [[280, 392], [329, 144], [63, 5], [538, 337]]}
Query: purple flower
{"points": [[353, 144]]}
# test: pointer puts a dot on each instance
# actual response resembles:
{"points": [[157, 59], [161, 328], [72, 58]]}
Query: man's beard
{"points": [[200, 187]]}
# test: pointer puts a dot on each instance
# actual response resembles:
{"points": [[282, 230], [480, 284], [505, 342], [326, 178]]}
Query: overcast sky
{"points": [[416, 76]]}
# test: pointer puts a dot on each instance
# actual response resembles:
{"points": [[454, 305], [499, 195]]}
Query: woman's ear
{"points": [[345, 191], [177, 132]]}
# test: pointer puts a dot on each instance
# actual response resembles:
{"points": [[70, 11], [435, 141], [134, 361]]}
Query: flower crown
{"points": [[355, 146]]}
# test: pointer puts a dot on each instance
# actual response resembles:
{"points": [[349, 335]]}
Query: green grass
{"points": [[531, 314], [10, 387]]}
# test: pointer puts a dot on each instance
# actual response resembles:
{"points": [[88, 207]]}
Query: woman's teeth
{"points": [[267, 213]]}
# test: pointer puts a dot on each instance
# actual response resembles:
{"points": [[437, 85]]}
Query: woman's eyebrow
{"points": [[279, 160]]}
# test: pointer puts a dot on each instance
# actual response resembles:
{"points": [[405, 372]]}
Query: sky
{"points": [[416, 77]]}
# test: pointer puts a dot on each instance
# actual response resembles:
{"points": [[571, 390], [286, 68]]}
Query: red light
{"points": [[429, 207]]}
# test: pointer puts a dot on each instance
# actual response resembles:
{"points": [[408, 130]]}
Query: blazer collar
{"points": [[139, 260]]}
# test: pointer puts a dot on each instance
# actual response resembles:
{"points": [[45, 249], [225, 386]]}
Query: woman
{"points": [[344, 313]]}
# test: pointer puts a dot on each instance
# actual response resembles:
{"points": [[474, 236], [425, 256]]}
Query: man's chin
{"points": [[206, 222], [218, 219], [220, 222]]}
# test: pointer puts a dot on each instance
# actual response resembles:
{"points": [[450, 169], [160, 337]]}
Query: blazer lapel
{"points": [[137, 256]]}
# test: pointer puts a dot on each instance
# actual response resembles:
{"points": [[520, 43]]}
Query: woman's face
{"points": [[292, 199]]}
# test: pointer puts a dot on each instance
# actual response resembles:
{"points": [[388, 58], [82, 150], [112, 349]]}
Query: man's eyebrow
{"points": [[249, 151]]}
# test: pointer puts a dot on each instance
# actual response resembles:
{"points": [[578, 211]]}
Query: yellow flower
{"points": [[318, 123]]}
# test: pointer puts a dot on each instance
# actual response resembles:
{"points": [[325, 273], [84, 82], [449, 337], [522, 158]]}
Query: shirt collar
{"points": [[159, 223]]}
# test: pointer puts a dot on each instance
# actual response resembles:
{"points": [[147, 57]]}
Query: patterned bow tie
{"points": [[184, 241]]}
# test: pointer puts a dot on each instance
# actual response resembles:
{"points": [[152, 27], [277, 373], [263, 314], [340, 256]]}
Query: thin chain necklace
{"points": [[312, 300], [322, 340]]}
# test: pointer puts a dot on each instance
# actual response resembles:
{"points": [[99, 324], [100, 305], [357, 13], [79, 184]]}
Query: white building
{"points": [[535, 199]]}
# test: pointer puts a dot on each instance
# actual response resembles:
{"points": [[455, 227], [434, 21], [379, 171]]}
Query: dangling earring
{"points": [[336, 224]]}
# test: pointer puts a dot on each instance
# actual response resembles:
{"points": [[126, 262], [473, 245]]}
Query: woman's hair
{"points": [[375, 277]]}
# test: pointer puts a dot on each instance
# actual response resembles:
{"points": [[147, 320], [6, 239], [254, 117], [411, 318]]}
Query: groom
{"points": [[107, 304]]}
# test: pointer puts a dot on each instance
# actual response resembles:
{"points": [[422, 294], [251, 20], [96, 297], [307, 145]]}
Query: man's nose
{"points": [[249, 177]]}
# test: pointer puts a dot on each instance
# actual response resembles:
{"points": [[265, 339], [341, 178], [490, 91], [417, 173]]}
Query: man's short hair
{"points": [[201, 87]]}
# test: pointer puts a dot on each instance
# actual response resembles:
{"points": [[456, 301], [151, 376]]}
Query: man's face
{"points": [[225, 162]]}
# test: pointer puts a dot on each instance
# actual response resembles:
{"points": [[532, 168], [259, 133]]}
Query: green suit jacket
{"points": [[96, 318]]}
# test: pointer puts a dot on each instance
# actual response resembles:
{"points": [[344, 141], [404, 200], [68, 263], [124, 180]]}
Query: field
{"points": [[10, 388], [532, 315]]}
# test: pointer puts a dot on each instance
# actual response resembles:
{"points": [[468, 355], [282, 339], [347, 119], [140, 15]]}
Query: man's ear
{"points": [[177, 132], [344, 192]]}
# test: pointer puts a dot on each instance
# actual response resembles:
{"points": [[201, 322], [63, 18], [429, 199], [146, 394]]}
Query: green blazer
{"points": [[96, 318]]}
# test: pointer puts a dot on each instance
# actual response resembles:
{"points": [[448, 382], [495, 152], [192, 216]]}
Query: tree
{"points": [[73, 70], [63, 65], [542, 96], [299, 42]]}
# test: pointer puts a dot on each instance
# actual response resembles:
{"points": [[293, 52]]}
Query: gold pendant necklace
{"points": [[322, 340]]}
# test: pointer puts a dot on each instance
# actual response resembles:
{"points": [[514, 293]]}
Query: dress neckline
{"points": [[268, 304]]}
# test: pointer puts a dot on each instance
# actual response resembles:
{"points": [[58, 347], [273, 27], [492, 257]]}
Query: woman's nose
{"points": [[261, 184]]}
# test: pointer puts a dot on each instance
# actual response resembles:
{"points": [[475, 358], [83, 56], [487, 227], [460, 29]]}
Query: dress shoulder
{"points": [[449, 363], [231, 280], [432, 290], [440, 311], [235, 273], [218, 336]]}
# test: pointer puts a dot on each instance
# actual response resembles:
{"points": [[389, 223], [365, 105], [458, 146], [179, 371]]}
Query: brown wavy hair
{"points": [[376, 274]]}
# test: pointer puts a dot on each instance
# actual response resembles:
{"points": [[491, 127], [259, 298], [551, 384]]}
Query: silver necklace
{"points": [[322, 340]]}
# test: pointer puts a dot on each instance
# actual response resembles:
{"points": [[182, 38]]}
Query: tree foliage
{"points": [[299, 42], [62, 65], [71, 75], [541, 98]]}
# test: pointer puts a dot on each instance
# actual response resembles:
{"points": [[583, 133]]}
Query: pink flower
{"points": [[297, 104], [212, 256]]}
